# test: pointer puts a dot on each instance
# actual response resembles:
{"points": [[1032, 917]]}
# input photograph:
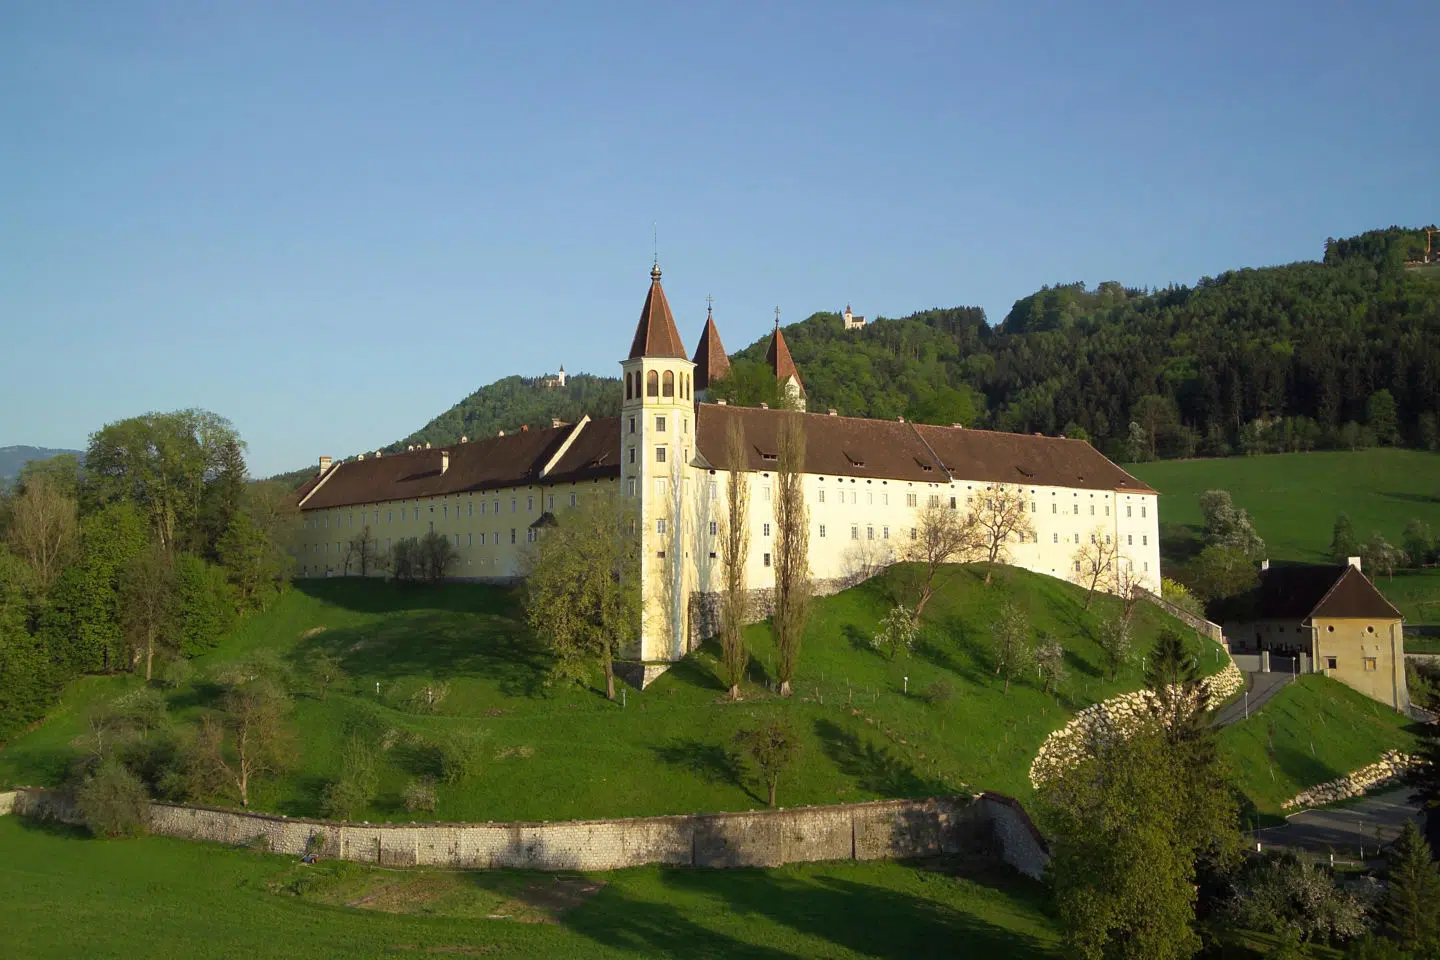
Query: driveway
{"points": [[1262, 687], [1344, 830]]}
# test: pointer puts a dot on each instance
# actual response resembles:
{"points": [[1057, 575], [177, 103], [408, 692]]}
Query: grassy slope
{"points": [[1313, 730], [564, 752], [62, 895], [1295, 498]]}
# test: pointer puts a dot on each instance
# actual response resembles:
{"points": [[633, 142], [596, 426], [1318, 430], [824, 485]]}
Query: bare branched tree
{"points": [[942, 536], [734, 557], [792, 548], [1096, 566], [43, 527], [1001, 514]]}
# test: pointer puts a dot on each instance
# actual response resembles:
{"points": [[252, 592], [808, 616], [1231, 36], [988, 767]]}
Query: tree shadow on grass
{"points": [[967, 658], [614, 919], [1412, 497], [858, 639], [373, 595], [711, 762], [863, 918], [875, 769], [437, 645], [1301, 767]]}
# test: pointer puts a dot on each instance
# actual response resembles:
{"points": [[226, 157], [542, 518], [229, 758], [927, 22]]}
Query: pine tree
{"points": [[1412, 903]]}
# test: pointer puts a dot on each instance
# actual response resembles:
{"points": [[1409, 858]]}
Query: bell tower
{"points": [[657, 440]]}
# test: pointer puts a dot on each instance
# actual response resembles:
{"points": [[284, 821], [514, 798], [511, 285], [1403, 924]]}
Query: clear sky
{"points": [[331, 221]]}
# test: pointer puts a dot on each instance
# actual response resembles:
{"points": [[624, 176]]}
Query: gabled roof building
{"points": [[865, 482]]}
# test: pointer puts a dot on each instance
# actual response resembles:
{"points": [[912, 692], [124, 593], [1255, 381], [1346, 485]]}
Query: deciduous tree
{"points": [[1011, 634], [248, 739], [1000, 514], [1343, 543], [148, 605], [734, 558], [44, 528], [581, 593], [942, 536], [898, 631], [1095, 563], [771, 745], [792, 549]]}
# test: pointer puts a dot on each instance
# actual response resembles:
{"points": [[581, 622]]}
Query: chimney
{"points": [[325, 465], [960, 426], [1265, 564], [833, 412], [409, 448], [900, 419], [720, 402], [764, 406], [360, 456], [524, 428], [427, 445], [444, 460], [1354, 562], [554, 423], [500, 434], [464, 439], [377, 454]]}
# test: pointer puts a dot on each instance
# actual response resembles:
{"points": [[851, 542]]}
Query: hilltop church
{"points": [[865, 481]]}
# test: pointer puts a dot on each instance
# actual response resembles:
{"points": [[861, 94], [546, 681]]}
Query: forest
{"points": [[141, 559], [1341, 353]]}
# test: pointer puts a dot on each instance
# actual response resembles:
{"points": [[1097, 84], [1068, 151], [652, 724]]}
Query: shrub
{"points": [[897, 632], [343, 797], [143, 709], [1280, 892], [1179, 595], [175, 673], [315, 843], [112, 802], [939, 693], [420, 795], [459, 756]]}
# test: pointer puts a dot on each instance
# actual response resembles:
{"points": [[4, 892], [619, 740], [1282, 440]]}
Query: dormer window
{"points": [[855, 460]]}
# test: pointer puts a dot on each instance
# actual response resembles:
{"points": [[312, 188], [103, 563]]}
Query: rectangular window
{"points": [[767, 559], [513, 502], [531, 534], [765, 493], [550, 502], [632, 424], [1107, 538], [1146, 566], [659, 424], [1032, 506], [884, 499], [389, 516], [820, 496], [714, 490], [1129, 539], [482, 539], [659, 454], [1107, 509], [712, 554], [1145, 541], [1055, 538], [470, 508], [1054, 508], [767, 529], [714, 528], [457, 541], [572, 499], [1092, 509], [934, 500], [387, 543], [417, 514], [1369, 663], [869, 498], [1127, 510], [885, 533], [630, 487], [445, 512], [822, 531], [1092, 538], [660, 487], [632, 454], [1330, 663], [914, 534], [512, 534], [1077, 566], [1142, 512], [869, 532], [910, 500], [1077, 509], [482, 508], [496, 507], [954, 504], [854, 531], [660, 525]]}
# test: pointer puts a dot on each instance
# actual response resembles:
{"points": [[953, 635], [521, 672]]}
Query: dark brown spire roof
{"points": [[655, 335], [711, 363], [778, 358]]}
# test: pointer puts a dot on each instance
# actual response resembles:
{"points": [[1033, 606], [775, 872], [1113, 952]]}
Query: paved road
{"points": [[1262, 687], [1343, 830]]}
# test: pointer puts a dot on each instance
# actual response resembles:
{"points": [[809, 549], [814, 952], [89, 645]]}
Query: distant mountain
{"points": [[13, 459]]}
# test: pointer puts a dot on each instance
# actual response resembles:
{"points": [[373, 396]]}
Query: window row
{"points": [[657, 384]]}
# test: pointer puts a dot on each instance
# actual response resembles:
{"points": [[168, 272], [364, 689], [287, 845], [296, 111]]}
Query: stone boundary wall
{"points": [[7, 802], [1118, 716], [1388, 770], [1199, 624], [760, 603], [886, 829]]}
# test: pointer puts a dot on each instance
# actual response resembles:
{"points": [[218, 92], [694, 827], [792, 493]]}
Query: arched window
{"points": [[689, 385], [684, 387], [669, 388], [629, 385], [652, 384]]}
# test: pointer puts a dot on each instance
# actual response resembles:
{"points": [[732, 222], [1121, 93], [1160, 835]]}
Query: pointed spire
{"points": [[778, 357], [711, 363], [656, 335]]}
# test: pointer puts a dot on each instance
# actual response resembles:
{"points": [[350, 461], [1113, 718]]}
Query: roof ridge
{"points": [[1346, 570]]}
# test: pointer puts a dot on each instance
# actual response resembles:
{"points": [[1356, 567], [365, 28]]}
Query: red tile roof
{"points": [[494, 462], [711, 363], [778, 357], [894, 450], [1307, 591], [655, 334], [1354, 596]]}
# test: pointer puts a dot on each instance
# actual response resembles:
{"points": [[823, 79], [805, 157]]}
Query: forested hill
{"points": [[13, 459], [1340, 353]]}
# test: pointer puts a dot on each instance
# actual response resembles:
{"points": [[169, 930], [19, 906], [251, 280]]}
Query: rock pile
{"points": [[1118, 716], [1383, 772]]}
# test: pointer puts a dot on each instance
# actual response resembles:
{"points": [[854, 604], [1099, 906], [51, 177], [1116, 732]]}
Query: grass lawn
{"points": [[563, 752], [65, 895], [1295, 498], [1315, 729]]}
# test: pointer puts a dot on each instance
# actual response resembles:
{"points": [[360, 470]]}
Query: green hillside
{"points": [[1312, 731], [65, 895], [563, 752], [1294, 499]]}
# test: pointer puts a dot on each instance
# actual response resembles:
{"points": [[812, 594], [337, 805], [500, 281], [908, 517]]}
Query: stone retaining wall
{"points": [[888, 829], [759, 604], [1118, 716], [1389, 769], [1200, 624], [7, 802]]}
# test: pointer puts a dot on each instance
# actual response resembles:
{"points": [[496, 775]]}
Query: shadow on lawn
{"points": [[435, 644], [1301, 767], [710, 762], [875, 769], [864, 918], [370, 595]]}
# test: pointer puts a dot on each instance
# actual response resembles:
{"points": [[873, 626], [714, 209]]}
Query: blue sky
{"points": [[329, 222]]}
